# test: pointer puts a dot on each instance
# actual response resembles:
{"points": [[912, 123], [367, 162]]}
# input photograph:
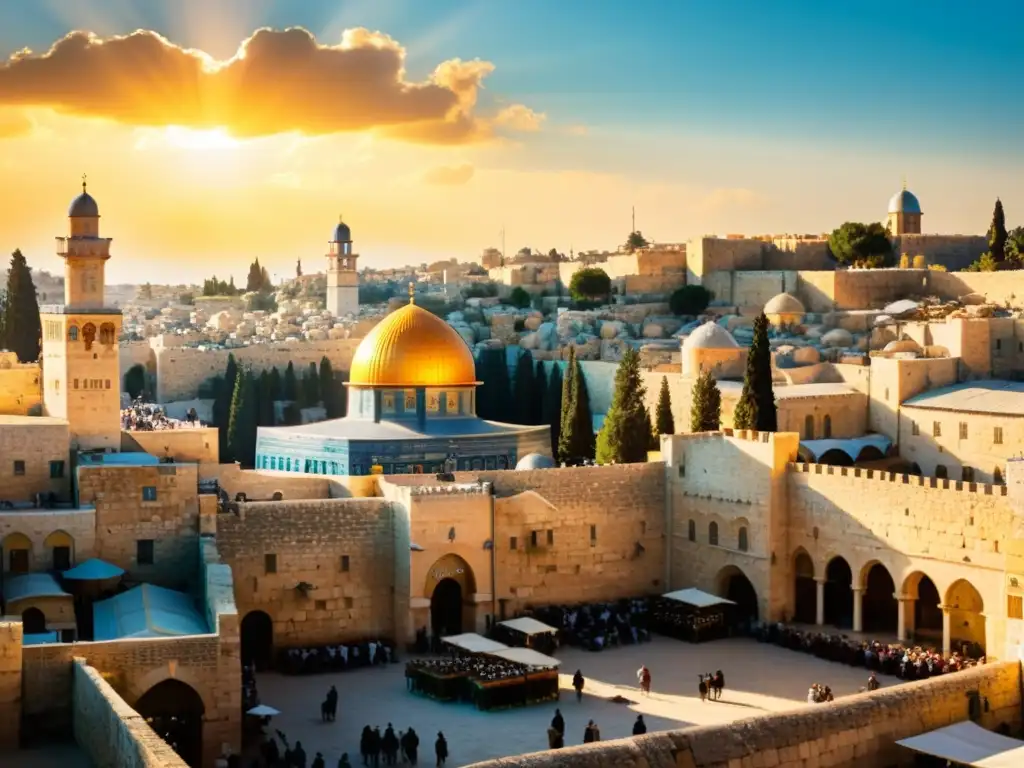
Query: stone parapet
{"points": [[894, 477]]}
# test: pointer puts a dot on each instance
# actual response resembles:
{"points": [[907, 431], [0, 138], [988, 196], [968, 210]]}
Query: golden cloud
{"points": [[278, 81], [520, 118], [450, 175], [14, 124]]}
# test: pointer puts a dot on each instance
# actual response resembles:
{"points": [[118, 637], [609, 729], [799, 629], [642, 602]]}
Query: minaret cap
{"points": [[412, 293]]}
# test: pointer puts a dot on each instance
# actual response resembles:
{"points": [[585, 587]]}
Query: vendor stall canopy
{"points": [[474, 643], [528, 626], [696, 598], [528, 657], [967, 743]]}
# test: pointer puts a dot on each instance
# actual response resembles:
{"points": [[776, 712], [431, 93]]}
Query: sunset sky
{"points": [[432, 124]]}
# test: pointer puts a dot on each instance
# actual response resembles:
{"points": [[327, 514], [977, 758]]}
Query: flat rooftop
{"points": [[794, 391], [994, 396], [365, 429], [26, 420]]}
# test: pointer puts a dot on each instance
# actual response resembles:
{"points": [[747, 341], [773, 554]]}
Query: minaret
{"points": [[81, 373], [342, 277]]}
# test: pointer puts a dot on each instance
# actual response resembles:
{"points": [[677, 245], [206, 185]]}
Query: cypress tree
{"points": [[997, 233], [626, 434], [328, 389], [483, 400], [540, 393], [706, 408], [22, 327], [553, 407], [223, 394], [266, 401], [275, 384], [584, 422], [756, 407], [495, 395], [653, 439], [525, 393], [565, 407], [244, 415], [665, 423], [314, 384], [290, 389], [576, 441]]}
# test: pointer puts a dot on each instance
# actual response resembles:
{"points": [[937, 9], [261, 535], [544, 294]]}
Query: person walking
{"points": [[441, 749], [643, 676], [577, 683], [558, 722], [412, 745]]}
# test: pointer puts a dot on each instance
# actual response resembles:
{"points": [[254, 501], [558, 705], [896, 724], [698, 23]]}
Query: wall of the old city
{"points": [[46, 529], [261, 485], [954, 252], [193, 445], [342, 547], [851, 732], [10, 682], [36, 442], [970, 447], [20, 392]]}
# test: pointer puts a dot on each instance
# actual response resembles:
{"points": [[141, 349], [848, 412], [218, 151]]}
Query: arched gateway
{"points": [[450, 585], [175, 712]]}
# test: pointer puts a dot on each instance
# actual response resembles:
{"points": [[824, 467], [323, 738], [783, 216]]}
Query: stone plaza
{"points": [[760, 678]]}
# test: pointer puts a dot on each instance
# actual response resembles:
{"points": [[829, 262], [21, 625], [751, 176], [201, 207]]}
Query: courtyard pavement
{"points": [[759, 678], [52, 756]]}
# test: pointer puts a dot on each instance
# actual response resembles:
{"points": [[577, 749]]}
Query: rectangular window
{"points": [[344, 563], [936, 429], [963, 430], [513, 543], [997, 435], [1014, 607], [56, 470], [149, 493], [76, 383], [410, 401], [999, 344], [387, 402], [593, 535], [61, 558], [886, 394], [914, 428], [269, 563], [533, 538], [144, 552], [19, 467], [551, 537], [107, 383], [452, 403], [19, 561]]}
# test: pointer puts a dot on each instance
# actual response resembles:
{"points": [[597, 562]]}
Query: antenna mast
{"points": [[634, 220]]}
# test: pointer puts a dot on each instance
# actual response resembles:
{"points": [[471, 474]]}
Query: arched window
{"points": [[108, 334], [967, 474], [743, 539], [808, 427], [691, 532], [940, 471], [73, 333], [826, 427], [88, 334], [713, 534]]}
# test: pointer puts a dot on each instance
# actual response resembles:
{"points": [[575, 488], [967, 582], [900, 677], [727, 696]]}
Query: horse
{"points": [[718, 684]]}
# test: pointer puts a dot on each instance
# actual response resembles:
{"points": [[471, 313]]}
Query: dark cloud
{"points": [[279, 81]]}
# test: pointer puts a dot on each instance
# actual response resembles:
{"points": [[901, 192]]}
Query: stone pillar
{"points": [[901, 617], [858, 595], [819, 608], [947, 640]]}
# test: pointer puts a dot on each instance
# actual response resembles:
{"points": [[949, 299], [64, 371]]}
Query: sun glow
{"points": [[205, 140]]}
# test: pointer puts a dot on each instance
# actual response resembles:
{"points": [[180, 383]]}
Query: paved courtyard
{"points": [[53, 756], [759, 678]]}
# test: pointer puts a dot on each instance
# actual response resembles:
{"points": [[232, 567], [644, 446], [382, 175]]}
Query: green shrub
{"points": [[690, 300]]}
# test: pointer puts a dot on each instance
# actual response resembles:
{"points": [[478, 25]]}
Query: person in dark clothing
{"points": [[332, 704], [271, 754], [639, 727], [389, 745], [411, 745], [365, 740], [375, 747], [558, 722], [577, 683], [441, 749], [588, 733], [318, 761], [343, 761], [299, 756]]}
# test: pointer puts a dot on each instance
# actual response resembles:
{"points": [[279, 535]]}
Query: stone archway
{"points": [[924, 622], [451, 585], [966, 616], [839, 593], [174, 710], [256, 635], [880, 608], [732, 584], [805, 590], [33, 621]]}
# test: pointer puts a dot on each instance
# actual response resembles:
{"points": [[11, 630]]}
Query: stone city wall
{"points": [[112, 734], [131, 353], [342, 547], [181, 370], [1003, 288], [193, 445], [852, 732], [10, 682], [20, 393], [36, 442], [593, 554], [945, 529], [954, 252], [261, 485], [124, 516], [38, 525], [796, 254]]}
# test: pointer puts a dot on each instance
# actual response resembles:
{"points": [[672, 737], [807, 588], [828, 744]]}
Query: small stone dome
{"points": [[710, 336], [535, 461], [84, 206], [342, 234], [902, 345], [784, 304], [904, 201]]}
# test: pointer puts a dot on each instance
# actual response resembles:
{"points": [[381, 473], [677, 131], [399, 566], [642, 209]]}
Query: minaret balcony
{"points": [[62, 246]]}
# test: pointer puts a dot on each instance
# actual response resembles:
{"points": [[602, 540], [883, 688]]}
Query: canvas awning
{"points": [[697, 598], [969, 744], [527, 626], [94, 569], [474, 643], [527, 656]]}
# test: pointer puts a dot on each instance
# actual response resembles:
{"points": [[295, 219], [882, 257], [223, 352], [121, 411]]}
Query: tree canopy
{"points": [[997, 234], [576, 438], [552, 407], [756, 407], [21, 330], [519, 298], [525, 389], [626, 433], [636, 241], [861, 245], [590, 284], [706, 406], [243, 420], [258, 280], [689, 300], [665, 423]]}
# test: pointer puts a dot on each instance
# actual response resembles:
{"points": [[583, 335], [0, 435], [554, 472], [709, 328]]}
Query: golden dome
{"points": [[413, 348]]}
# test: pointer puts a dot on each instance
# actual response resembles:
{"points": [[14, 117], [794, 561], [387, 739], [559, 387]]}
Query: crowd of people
{"points": [[390, 748], [597, 626], [143, 417], [896, 659], [335, 658], [477, 667], [591, 733]]}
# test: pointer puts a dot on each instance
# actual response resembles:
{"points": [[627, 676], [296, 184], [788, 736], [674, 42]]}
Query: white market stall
{"points": [[969, 744], [692, 614]]}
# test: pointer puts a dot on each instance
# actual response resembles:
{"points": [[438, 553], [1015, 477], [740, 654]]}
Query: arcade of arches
{"points": [[872, 603], [451, 587]]}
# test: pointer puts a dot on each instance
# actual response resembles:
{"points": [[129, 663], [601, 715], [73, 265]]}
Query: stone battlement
{"points": [[451, 488], [893, 477]]}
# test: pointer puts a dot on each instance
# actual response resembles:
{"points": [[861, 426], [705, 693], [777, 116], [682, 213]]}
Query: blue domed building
{"points": [[904, 213]]}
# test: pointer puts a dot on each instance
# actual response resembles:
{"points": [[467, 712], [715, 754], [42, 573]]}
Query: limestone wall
{"points": [[10, 682], [124, 516], [36, 443], [343, 547], [132, 353], [852, 732], [195, 445], [997, 287], [790, 253], [20, 392], [894, 380], [711, 254], [874, 288], [944, 529], [181, 370], [112, 734], [954, 252], [261, 485], [38, 525], [971, 447]]}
